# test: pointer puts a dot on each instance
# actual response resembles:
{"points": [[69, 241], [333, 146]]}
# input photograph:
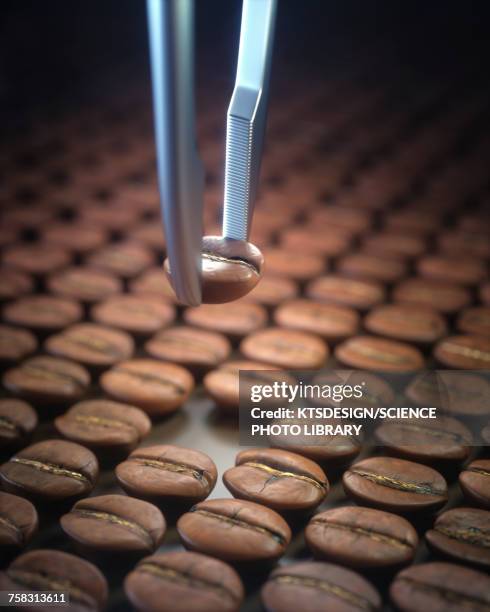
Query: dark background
{"points": [[52, 50]]}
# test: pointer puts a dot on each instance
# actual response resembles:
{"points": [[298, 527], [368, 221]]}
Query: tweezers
{"points": [[180, 170]]}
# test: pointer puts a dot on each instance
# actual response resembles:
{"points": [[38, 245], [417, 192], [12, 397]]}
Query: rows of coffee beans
{"points": [[118, 409]]}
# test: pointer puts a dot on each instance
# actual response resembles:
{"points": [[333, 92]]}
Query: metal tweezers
{"points": [[180, 171]]}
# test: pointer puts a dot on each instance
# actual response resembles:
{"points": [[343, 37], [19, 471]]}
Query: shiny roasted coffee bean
{"points": [[467, 352], [109, 429], [196, 349], [53, 570], [279, 479], [230, 269], [234, 320], [379, 354], [168, 474], [474, 481], [48, 380], [330, 321], [43, 313], [156, 387], [440, 587], [17, 422], [446, 298], [353, 292], [463, 534], [407, 323], [115, 524], [85, 284], [234, 530], [18, 521], [52, 470], [311, 586], [15, 344], [395, 485], [284, 348], [362, 538], [95, 346], [140, 315], [441, 440], [179, 581]]}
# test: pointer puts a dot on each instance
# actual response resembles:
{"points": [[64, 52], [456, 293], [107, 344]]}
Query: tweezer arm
{"points": [[247, 116], [180, 172]]}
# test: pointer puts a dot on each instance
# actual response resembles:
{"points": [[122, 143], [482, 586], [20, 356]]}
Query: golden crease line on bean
{"points": [[373, 535], [394, 483], [284, 474], [50, 468]]}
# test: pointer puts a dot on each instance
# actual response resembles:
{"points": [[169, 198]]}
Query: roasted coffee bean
{"points": [[167, 473], [230, 269], [273, 290], [446, 298], [223, 384], [457, 242], [42, 313], [353, 220], [95, 346], [17, 422], [52, 470], [396, 244], [47, 380], [330, 321], [181, 581], [415, 221], [14, 284], [37, 259], [158, 388], [468, 352], [234, 530], [316, 240], [84, 284], [452, 269], [475, 321], [449, 391], [53, 570], [285, 348], [372, 267], [235, 320], [137, 314], [440, 587], [362, 538], [462, 534], [75, 237], [293, 264], [124, 259], [474, 481], [115, 524], [18, 521], [153, 282], [404, 322], [110, 216], [359, 294], [428, 441], [15, 344], [380, 354], [311, 586], [108, 428], [279, 479], [395, 485], [196, 349]]}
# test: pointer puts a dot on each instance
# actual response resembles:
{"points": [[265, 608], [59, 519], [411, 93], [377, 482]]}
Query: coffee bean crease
{"points": [[465, 602], [275, 473], [236, 522], [50, 468], [327, 587], [376, 536], [400, 485], [114, 519]]}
